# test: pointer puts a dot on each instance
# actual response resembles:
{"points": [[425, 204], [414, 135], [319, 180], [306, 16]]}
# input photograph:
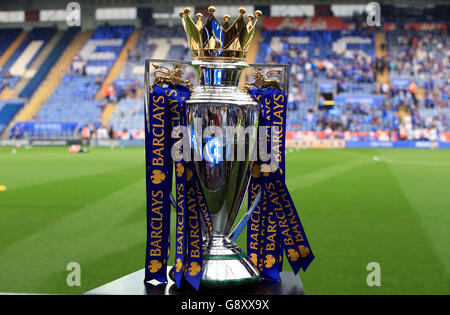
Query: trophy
{"points": [[222, 160], [219, 64]]}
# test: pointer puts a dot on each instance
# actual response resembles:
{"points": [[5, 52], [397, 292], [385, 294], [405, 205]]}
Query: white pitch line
{"points": [[405, 162]]}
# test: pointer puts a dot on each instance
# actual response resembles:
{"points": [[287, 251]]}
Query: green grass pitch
{"points": [[390, 206]]}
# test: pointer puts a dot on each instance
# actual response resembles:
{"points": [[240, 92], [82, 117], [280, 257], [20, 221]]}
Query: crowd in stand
{"points": [[346, 68], [424, 58], [353, 71], [128, 118], [413, 111]]}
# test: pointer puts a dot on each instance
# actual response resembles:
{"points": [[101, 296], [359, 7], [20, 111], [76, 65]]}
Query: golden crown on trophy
{"points": [[215, 40]]}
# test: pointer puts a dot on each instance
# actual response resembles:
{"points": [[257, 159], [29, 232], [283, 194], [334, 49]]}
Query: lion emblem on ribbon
{"points": [[157, 177], [256, 172], [179, 169], [254, 259], [269, 261], [189, 174], [304, 251], [154, 266], [293, 255], [178, 265], [194, 268]]}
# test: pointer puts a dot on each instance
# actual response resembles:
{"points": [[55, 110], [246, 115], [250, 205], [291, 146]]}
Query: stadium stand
{"points": [[7, 36], [24, 55], [154, 43], [7, 111], [344, 58], [49, 84], [418, 62], [419, 71], [393, 81], [128, 117], [51, 59], [84, 78]]}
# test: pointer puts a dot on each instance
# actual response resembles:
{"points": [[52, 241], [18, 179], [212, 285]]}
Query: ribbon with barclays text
{"points": [[274, 225], [165, 118]]}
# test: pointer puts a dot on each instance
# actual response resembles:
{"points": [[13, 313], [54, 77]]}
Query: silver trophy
{"points": [[218, 102]]}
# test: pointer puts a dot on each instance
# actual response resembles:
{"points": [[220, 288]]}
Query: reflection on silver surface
{"points": [[222, 181], [219, 102], [226, 262]]}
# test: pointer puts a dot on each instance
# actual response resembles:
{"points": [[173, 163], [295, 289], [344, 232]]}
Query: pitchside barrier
{"points": [[41, 142], [329, 144], [301, 144]]}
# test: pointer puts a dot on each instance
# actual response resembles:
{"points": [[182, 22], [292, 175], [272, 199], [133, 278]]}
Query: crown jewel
{"points": [[213, 40]]}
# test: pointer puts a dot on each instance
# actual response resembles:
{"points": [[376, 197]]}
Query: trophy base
{"points": [[226, 265]]}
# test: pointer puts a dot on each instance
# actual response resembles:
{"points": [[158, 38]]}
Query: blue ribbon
{"points": [[168, 114], [254, 225], [271, 253], [194, 255], [159, 184], [280, 227], [178, 116]]}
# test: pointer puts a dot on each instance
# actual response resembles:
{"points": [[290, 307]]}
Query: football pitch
{"points": [[390, 206]]}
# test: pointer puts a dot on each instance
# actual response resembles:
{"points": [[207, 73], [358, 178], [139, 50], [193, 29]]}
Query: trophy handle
{"points": [[238, 229]]}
